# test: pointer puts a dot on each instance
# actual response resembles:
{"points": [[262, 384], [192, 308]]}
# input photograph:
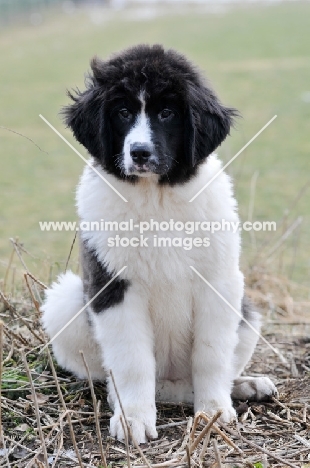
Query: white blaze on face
{"points": [[139, 133]]}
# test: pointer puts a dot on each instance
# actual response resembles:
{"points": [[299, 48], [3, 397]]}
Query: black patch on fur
{"points": [[95, 276], [204, 122]]}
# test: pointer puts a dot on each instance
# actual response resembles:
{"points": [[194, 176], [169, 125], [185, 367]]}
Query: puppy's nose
{"points": [[140, 152]]}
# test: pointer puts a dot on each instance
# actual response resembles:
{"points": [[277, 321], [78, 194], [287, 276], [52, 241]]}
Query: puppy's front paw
{"points": [[142, 424], [210, 408], [229, 415]]}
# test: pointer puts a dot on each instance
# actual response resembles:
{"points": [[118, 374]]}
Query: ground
{"points": [[279, 429]]}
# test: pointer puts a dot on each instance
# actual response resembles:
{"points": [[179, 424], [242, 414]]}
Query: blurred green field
{"points": [[258, 59]]}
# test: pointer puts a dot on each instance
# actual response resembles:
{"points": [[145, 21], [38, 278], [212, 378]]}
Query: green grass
{"points": [[258, 59]]}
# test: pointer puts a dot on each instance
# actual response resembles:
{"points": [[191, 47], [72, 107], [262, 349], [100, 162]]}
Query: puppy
{"points": [[151, 124]]}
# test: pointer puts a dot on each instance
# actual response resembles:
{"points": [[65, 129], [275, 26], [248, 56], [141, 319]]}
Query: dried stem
{"points": [[126, 440], [6, 276], [14, 311], [205, 430], [43, 286], [257, 447], [173, 424], [188, 456], [217, 454], [10, 353], [36, 303], [204, 446], [23, 136], [222, 434], [63, 403], [91, 385], [36, 407], [71, 248], [9, 333], [17, 248], [194, 427], [186, 437], [60, 443]]}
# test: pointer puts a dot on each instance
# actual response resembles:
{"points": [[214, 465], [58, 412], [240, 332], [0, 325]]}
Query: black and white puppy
{"points": [[150, 125]]}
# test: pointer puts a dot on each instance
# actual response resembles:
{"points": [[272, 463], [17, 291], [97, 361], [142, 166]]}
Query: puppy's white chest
{"points": [[171, 314]]}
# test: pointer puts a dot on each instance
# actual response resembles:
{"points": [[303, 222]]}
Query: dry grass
{"points": [[51, 419]]}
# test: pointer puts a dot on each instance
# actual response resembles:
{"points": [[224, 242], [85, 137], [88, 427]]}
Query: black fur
{"points": [[95, 276], [204, 122]]}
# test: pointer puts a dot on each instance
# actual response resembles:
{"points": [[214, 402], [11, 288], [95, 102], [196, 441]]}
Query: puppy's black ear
{"points": [[84, 117], [208, 121]]}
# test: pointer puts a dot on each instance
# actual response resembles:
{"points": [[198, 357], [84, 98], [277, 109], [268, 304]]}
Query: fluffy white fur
{"points": [[181, 339], [62, 302]]}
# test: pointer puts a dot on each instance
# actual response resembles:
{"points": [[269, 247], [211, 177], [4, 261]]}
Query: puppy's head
{"points": [[147, 111]]}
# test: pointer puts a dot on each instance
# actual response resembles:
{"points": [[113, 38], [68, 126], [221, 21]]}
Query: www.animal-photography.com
{"points": [[154, 250]]}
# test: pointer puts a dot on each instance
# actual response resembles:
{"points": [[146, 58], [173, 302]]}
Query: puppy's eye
{"points": [[165, 114], [125, 114]]}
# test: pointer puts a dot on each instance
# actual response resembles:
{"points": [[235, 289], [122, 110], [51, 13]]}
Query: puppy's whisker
{"points": [[119, 162], [178, 162], [166, 174]]}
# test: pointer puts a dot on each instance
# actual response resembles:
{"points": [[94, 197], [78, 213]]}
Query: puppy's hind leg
{"points": [[64, 299], [249, 388], [247, 338]]}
